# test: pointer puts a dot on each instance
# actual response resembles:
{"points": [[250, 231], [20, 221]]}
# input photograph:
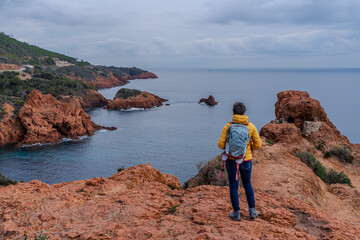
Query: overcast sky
{"points": [[192, 33]]}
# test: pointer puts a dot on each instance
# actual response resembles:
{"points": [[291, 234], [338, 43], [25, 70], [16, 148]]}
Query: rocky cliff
{"points": [[277, 169], [107, 77], [142, 203], [113, 80], [44, 119], [91, 99]]}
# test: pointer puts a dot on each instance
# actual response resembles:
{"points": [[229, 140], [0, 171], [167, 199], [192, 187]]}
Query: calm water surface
{"points": [[174, 138]]}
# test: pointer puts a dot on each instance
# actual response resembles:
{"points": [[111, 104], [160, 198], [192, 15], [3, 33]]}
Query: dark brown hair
{"points": [[239, 108]]}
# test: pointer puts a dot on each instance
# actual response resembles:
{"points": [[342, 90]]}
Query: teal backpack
{"points": [[237, 139], [236, 144]]}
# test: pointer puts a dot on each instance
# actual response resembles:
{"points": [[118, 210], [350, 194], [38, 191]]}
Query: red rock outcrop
{"points": [[294, 177], [11, 131], [107, 81], [43, 119], [48, 120], [140, 203], [91, 99], [309, 116], [143, 100], [297, 107], [209, 101], [286, 133], [276, 169]]}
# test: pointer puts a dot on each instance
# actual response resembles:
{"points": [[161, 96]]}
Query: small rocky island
{"points": [[132, 98], [209, 101]]}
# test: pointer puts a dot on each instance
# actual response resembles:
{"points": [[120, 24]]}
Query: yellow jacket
{"points": [[253, 133]]}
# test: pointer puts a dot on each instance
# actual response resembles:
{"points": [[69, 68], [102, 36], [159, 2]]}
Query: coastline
{"points": [[140, 201]]}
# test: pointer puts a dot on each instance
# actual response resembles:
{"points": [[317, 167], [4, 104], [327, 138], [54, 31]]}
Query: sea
{"points": [[178, 137]]}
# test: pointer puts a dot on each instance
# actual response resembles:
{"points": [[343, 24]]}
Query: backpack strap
{"points": [[237, 171], [222, 170], [251, 147]]}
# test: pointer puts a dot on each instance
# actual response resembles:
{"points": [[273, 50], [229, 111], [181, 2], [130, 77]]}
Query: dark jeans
{"points": [[245, 173]]}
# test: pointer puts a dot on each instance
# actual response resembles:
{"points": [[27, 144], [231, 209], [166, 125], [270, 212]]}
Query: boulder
{"points": [[297, 107], [306, 113], [284, 133]]}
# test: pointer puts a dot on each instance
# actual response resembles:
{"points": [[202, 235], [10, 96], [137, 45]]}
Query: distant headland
{"points": [[63, 84]]}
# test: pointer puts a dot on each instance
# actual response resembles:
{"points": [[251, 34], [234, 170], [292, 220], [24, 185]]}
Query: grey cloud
{"points": [[67, 13], [303, 43], [182, 33], [285, 11]]}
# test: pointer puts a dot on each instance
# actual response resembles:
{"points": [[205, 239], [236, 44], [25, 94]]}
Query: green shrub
{"points": [[327, 154], [270, 142], [19, 102], [336, 177], [218, 166], [41, 236], [342, 153], [49, 61], [122, 168], [200, 165], [307, 158], [320, 146], [172, 210], [144, 95], [172, 187], [6, 181], [330, 176], [2, 113], [209, 174], [121, 71], [125, 93], [15, 91], [320, 171]]}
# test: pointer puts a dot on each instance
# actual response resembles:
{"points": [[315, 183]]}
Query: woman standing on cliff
{"points": [[245, 167]]}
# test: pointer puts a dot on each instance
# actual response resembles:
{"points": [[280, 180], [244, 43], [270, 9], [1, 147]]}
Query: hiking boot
{"points": [[235, 216], [253, 213]]}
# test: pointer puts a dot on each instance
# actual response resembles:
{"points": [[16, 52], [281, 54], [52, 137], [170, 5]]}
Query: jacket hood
{"points": [[240, 119]]}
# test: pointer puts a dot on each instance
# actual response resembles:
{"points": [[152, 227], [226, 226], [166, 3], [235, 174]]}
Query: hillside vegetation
{"points": [[13, 51], [16, 52], [14, 91]]}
